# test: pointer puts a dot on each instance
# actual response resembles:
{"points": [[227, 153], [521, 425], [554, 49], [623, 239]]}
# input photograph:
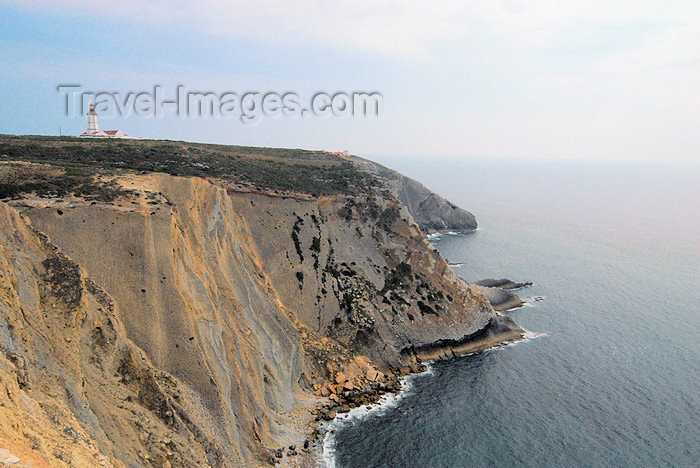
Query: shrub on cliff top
{"points": [[312, 172]]}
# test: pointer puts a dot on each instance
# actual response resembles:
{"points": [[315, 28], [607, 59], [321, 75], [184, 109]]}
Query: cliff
{"points": [[207, 318], [430, 211]]}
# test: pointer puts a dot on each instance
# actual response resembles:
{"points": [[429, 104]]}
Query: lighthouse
{"points": [[93, 129], [93, 126]]}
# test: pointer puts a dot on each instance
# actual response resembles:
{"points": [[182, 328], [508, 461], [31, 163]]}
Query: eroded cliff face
{"points": [[429, 210], [76, 391], [358, 270], [192, 324], [192, 299]]}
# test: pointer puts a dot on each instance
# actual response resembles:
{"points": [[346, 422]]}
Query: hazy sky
{"points": [[547, 79]]}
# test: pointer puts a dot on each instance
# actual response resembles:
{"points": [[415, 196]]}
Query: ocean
{"points": [[610, 372]]}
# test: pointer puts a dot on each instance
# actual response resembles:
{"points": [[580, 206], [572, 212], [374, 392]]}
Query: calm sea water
{"points": [[613, 378]]}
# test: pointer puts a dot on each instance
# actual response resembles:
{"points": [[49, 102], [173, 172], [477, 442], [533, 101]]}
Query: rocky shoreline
{"points": [[354, 390], [497, 332], [348, 396], [360, 384]]}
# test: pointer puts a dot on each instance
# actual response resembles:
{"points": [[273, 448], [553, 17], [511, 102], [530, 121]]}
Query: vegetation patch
{"points": [[316, 244], [315, 250], [63, 278], [44, 180], [296, 229], [426, 309], [398, 277], [345, 211], [388, 217], [312, 172]]}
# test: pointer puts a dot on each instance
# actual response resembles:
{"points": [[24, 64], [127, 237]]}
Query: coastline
{"points": [[324, 452], [325, 455], [500, 331], [343, 285]]}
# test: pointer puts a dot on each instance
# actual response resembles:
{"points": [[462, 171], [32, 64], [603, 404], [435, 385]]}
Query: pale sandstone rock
{"points": [[7, 457]]}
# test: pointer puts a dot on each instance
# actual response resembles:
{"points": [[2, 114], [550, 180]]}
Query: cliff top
{"points": [[68, 164]]}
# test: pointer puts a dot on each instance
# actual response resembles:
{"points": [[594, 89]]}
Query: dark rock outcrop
{"points": [[502, 283], [429, 210], [493, 333], [498, 292]]}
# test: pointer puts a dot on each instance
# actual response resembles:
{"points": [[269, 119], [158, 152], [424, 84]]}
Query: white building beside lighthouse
{"points": [[93, 129]]}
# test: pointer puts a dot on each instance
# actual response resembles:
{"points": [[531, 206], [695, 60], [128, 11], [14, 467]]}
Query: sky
{"points": [[585, 80]]}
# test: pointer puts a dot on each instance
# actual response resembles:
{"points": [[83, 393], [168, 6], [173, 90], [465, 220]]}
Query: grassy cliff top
{"points": [[72, 161]]}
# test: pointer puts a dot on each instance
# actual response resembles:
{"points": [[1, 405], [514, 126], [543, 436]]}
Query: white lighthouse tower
{"points": [[93, 130], [93, 126]]}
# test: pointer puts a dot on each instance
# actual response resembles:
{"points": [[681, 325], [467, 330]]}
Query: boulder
{"points": [[353, 370], [7, 458], [372, 374]]}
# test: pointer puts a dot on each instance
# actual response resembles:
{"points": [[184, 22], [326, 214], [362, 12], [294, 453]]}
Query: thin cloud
{"points": [[407, 29]]}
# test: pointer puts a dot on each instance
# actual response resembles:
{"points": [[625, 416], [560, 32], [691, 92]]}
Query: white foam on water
{"points": [[386, 402], [527, 336], [439, 235], [527, 302]]}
